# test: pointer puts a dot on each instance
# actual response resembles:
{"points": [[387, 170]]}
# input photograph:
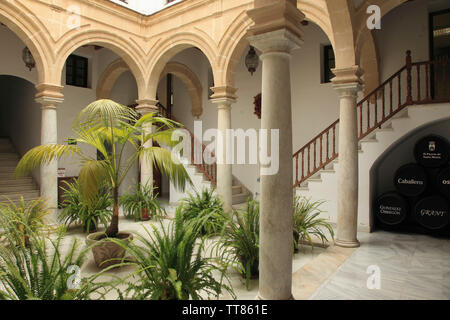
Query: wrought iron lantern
{"points": [[252, 60], [27, 57]]}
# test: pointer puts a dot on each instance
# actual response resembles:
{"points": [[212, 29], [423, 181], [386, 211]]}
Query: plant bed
{"points": [[107, 253]]}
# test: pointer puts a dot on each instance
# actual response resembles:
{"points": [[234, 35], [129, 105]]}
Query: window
{"points": [[77, 71], [328, 63], [210, 82]]}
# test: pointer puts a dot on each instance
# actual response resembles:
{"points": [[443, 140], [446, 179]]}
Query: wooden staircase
{"points": [[240, 193], [414, 84], [10, 187]]}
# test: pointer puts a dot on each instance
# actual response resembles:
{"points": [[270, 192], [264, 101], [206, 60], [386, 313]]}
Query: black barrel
{"points": [[443, 182], [432, 212], [391, 208], [411, 180], [432, 151]]}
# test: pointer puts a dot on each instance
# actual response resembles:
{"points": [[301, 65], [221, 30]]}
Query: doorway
{"points": [[440, 51]]}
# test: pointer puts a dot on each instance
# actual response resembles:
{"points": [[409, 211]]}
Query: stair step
{"points": [[237, 189], [12, 182], [20, 193], [369, 140], [8, 168], [18, 188], [9, 156], [240, 198], [9, 162]]}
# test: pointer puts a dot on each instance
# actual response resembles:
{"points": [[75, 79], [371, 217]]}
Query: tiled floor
{"points": [[410, 266]]}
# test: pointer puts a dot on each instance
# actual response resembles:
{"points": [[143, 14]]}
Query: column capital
{"points": [[347, 81], [146, 106], [49, 95], [224, 95], [273, 15]]}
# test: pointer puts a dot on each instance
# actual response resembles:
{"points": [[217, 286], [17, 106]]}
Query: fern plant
{"points": [[307, 222], [23, 218], [172, 264], [239, 241], [198, 205], [41, 271], [89, 214], [142, 205]]}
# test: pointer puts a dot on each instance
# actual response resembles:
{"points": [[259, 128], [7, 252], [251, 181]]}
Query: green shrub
{"points": [[23, 218], [41, 271], [89, 214], [172, 267], [239, 242], [307, 222], [201, 204], [144, 200]]}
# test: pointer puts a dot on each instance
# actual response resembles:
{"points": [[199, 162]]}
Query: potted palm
{"points": [[107, 123], [143, 204]]}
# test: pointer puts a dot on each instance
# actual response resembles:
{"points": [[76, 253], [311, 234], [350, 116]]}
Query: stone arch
{"points": [[22, 23], [161, 54], [362, 33], [342, 24], [366, 52], [191, 82], [234, 42], [132, 58], [369, 60], [109, 77]]}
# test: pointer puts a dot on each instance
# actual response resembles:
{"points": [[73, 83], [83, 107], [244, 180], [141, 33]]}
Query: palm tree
{"points": [[107, 123]]}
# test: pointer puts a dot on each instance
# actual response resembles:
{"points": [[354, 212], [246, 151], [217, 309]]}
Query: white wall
{"points": [[404, 28]]}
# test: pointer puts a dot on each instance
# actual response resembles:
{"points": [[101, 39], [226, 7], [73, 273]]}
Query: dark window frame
{"points": [[77, 70], [329, 62]]}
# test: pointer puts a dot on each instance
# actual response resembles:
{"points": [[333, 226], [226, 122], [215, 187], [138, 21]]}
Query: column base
{"points": [[258, 297], [347, 244]]}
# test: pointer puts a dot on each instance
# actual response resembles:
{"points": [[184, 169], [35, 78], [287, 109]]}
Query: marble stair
{"points": [[10, 187]]}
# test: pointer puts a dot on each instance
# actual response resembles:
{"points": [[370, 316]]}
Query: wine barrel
{"points": [[443, 182], [432, 212], [391, 208], [411, 180], [432, 151]]}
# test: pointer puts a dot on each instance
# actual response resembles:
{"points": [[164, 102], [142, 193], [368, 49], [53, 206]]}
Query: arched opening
{"points": [[87, 76], [182, 92], [20, 130], [20, 115], [400, 153]]}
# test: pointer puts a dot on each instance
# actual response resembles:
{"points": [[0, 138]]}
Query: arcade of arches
{"points": [[198, 49]]}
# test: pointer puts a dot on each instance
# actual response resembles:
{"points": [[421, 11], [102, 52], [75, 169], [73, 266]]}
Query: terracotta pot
{"points": [[107, 253], [145, 215]]}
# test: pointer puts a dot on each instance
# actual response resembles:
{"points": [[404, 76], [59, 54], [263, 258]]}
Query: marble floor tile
{"points": [[411, 266]]}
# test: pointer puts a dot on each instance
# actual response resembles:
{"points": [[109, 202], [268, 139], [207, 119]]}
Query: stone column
{"points": [[276, 34], [224, 97], [145, 107], [347, 83], [49, 97]]}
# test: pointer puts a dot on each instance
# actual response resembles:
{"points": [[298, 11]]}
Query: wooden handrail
{"points": [[208, 170], [375, 109]]}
